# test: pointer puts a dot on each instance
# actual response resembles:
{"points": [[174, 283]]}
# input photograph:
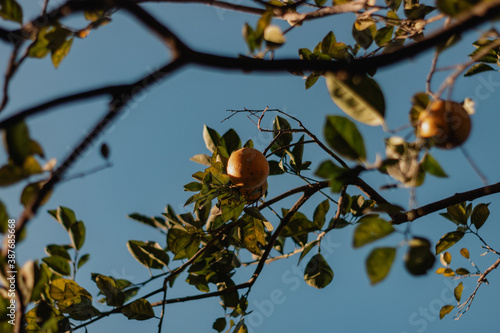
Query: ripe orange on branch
{"points": [[247, 168], [446, 122]]}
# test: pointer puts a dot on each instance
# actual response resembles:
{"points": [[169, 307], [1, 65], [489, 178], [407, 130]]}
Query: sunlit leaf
{"points": [[211, 137], [480, 214], [359, 96], [465, 253], [448, 240], [478, 68], [252, 234], [445, 310], [369, 229], [109, 288]]}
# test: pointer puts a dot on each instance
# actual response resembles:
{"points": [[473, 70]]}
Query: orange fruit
{"points": [[446, 123], [247, 168], [254, 194]]}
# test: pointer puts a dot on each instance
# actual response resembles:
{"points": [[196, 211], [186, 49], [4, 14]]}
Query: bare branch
{"points": [[416, 213]]}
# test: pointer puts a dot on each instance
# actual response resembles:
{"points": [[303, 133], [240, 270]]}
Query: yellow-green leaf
{"points": [[379, 263], [359, 96], [445, 310], [369, 229]]}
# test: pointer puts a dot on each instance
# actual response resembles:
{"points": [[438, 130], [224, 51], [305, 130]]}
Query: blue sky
{"points": [[150, 149]]}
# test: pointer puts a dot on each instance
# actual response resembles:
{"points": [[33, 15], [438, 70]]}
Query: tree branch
{"points": [[416, 213]]}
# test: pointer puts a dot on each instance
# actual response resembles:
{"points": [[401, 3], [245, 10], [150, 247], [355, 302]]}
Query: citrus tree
{"points": [[233, 226]]}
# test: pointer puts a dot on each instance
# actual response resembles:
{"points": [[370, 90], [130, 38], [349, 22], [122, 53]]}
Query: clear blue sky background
{"points": [[150, 149]]}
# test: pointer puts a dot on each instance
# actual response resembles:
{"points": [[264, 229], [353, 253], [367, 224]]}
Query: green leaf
{"points": [[219, 324], [40, 48], [281, 124], [337, 175], [478, 68], [65, 216], [448, 240], [11, 174], [31, 192], [249, 37], [359, 96], [17, 142], [60, 53], [445, 310], [211, 137], [59, 250], [311, 80], [320, 212], [371, 228], [77, 234], [193, 187], [379, 263], [151, 254], [457, 213], [32, 167], [139, 309], [363, 32], [462, 271], [480, 214], [58, 264], [318, 273], [328, 42], [199, 281], [298, 225], [231, 141], [308, 247], [342, 135], [182, 244], [384, 35], [11, 10], [230, 299], [143, 219], [255, 212], [458, 291], [419, 258], [252, 234], [431, 166], [232, 211], [83, 259], [112, 292]]}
